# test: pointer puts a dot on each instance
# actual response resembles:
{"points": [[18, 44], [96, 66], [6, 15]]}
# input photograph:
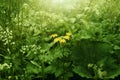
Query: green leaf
{"points": [[87, 51], [68, 74], [81, 71], [59, 72], [35, 63], [49, 69], [117, 47], [32, 69], [114, 74]]}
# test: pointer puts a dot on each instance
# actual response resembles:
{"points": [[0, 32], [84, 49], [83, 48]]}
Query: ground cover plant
{"points": [[59, 40]]}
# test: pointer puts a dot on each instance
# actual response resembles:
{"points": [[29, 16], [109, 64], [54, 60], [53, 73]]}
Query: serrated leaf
{"points": [[114, 74], [58, 72], [35, 63], [32, 69], [49, 69], [80, 71]]}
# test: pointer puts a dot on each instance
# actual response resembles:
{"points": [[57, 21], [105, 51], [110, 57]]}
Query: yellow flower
{"points": [[54, 35], [68, 34], [66, 37], [62, 41], [57, 39]]}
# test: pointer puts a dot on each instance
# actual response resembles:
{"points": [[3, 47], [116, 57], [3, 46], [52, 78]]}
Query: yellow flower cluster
{"points": [[61, 39], [66, 37], [54, 35], [68, 34], [57, 39]]}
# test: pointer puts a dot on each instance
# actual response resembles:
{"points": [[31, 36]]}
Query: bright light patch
{"points": [[58, 1], [60, 5]]}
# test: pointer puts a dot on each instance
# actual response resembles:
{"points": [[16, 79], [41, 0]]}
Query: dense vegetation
{"points": [[46, 40]]}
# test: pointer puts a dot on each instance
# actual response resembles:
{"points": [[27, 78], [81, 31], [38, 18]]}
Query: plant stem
{"points": [[63, 63], [43, 75]]}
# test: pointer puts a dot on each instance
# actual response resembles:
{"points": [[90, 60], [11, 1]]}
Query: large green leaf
{"points": [[86, 52]]}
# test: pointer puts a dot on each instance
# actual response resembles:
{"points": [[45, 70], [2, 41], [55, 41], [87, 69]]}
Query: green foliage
{"points": [[96, 55], [38, 39]]}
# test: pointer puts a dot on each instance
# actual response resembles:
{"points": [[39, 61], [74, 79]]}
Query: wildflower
{"points": [[62, 41], [9, 77], [57, 39], [68, 34], [90, 65], [54, 35], [5, 65], [66, 37]]}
